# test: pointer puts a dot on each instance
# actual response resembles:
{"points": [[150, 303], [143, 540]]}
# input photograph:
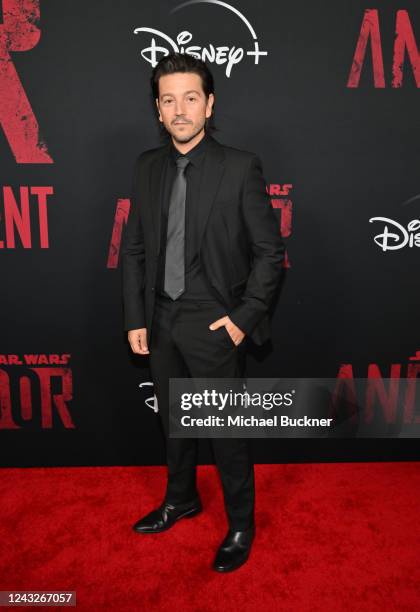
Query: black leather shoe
{"points": [[234, 550], [165, 516]]}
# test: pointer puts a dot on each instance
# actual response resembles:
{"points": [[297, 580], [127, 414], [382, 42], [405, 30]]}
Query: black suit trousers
{"points": [[183, 346]]}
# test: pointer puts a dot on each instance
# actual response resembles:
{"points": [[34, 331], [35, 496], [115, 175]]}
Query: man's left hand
{"points": [[234, 332]]}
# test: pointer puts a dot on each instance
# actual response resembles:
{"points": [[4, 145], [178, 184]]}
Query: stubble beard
{"points": [[187, 137]]}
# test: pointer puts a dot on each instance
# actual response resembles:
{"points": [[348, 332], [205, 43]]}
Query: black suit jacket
{"points": [[240, 247]]}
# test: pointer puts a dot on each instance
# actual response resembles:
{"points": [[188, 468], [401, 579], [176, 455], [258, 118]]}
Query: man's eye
{"points": [[192, 98], [167, 100]]}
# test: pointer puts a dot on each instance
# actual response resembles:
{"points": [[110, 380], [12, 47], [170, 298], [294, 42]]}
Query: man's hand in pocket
{"points": [[236, 334]]}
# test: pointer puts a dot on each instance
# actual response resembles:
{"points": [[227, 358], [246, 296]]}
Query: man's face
{"points": [[182, 105]]}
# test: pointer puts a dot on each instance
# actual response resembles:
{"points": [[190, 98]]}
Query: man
{"points": [[201, 262]]}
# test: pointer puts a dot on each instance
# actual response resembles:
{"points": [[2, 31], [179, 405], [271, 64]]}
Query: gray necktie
{"points": [[175, 241]]}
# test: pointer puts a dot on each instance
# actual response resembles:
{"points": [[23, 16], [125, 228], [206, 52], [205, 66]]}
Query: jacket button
{"points": [[153, 288]]}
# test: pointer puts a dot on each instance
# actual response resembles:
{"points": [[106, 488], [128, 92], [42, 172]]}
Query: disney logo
{"points": [[391, 241], [229, 55], [219, 55]]}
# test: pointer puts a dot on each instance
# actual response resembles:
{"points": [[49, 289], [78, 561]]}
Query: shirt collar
{"points": [[195, 155]]}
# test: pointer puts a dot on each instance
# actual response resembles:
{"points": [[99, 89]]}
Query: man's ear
{"points": [[157, 105], [209, 108]]}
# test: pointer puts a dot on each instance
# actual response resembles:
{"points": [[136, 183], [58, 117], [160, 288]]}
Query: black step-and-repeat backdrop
{"points": [[327, 94]]}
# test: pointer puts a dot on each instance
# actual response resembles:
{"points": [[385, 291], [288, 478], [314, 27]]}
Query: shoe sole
{"points": [[188, 514]]}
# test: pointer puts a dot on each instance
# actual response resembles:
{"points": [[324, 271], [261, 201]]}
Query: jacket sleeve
{"points": [[267, 247], [133, 261]]}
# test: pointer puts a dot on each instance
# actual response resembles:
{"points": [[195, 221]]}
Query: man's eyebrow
{"points": [[186, 92]]}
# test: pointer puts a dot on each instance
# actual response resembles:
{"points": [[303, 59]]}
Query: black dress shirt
{"points": [[196, 284]]}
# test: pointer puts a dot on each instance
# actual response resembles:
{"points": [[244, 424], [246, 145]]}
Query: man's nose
{"points": [[179, 108]]}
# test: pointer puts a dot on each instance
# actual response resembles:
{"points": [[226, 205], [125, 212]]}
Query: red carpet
{"points": [[330, 537]]}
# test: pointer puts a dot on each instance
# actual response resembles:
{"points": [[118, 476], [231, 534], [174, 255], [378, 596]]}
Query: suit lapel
{"points": [[155, 185], [212, 172]]}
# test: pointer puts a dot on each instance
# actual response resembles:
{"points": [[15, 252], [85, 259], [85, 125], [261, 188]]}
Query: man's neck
{"points": [[184, 147]]}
